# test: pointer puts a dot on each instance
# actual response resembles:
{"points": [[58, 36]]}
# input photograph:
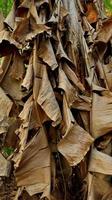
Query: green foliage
{"points": [[5, 6], [108, 5], [7, 151]]}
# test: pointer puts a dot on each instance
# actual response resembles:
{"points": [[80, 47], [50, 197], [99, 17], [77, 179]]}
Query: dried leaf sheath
{"points": [[56, 101]]}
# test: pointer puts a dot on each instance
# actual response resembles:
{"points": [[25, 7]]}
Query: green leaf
{"points": [[108, 4], [7, 151]]}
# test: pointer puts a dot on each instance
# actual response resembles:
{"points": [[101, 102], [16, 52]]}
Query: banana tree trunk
{"points": [[56, 101]]}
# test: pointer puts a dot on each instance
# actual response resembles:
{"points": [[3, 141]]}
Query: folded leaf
{"points": [[65, 84], [72, 76], [5, 166], [28, 79], [76, 142], [5, 105], [46, 99], [100, 162], [34, 169], [101, 114], [47, 55]]}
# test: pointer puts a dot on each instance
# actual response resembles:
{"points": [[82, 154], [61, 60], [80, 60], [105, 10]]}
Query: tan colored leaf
{"points": [[98, 186], [5, 63], [55, 12], [10, 85], [12, 124], [103, 34], [47, 55], [61, 54], [34, 13], [76, 142], [100, 162], [25, 113], [85, 116], [103, 37], [62, 17], [10, 19], [1, 21], [25, 4], [5, 166], [41, 2], [38, 70], [22, 132], [68, 118], [34, 169], [7, 43], [4, 125], [72, 76], [65, 85], [82, 103], [5, 105], [28, 79], [18, 69], [24, 32], [108, 195], [101, 114], [108, 74], [46, 99]]}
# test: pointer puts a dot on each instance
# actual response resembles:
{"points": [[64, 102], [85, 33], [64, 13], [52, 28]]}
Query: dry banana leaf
{"points": [[100, 162], [34, 168], [76, 142], [56, 101], [5, 166], [101, 113], [47, 100]]}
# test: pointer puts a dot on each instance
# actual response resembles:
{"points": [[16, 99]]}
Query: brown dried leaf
{"points": [[72, 76], [65, 84], [46, 99], [108, 74], [103, 37], [75, 144], [25, 4], [76, 141], [101, 114], [28, 79], [10, 19], [18, 69], [5, 166], [82, 103], [22, 132], [1, 21], [108, 195], [61, 54], [100, 162], [47, 55], [68, 118], [5, 105], [85, 116], [7, 43], [24, 115], [105, 33], [5, 63], [98, 186], [27, 29], [34, 169], [41, 2]]}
